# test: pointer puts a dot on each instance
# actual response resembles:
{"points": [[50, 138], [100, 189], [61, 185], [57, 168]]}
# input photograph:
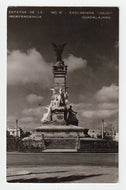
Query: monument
{"points": [[58, 113], [60, 121]]}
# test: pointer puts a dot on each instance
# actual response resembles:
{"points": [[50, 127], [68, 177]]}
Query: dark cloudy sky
{"points": [[91, 54]]}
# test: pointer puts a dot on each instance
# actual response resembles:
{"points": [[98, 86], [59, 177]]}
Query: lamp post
{"points": [[102, 128], [16, 127]]}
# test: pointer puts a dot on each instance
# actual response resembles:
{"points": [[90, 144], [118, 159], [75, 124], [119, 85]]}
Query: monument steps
{"points": [[54, 143], [59, 150]]}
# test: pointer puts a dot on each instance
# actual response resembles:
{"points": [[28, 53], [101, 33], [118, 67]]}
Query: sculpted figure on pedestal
{"points": [[59, 50]]}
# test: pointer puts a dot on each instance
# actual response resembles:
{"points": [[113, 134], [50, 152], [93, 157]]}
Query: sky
{"points": [[91, 54]]}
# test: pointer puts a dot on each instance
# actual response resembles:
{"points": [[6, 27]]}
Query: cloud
{"points": [[107, 94], [33, 112], [31, 117], [106, 62], [83, 106], [82, 97], [27, 67], [109, 106], [91, 112], [11, 121], [30, 67], [33, 98], [74, 62], [27, 119], [101, 114]]}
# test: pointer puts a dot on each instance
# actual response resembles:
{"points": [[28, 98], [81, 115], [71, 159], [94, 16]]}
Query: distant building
{"points": [[14, 132], [94, 133], [86, 132], [116, 138]]}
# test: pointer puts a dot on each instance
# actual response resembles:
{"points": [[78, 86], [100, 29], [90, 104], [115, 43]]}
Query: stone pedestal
{"points": [[60, 71], [58, 131], [58, 118], [57, 136]]}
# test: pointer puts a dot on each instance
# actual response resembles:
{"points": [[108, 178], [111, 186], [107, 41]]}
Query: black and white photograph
{"points": [[62, 94]]}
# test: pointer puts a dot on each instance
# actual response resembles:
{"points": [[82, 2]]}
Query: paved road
{"points": [[62, 159], [62, 167]]}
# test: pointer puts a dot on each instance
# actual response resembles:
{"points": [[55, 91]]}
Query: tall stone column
{"points": [[59, 97], [60, 71]]}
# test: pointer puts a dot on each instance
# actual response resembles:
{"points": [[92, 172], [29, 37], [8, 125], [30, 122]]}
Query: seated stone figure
{"points": [[47, 116], [71, 117]]}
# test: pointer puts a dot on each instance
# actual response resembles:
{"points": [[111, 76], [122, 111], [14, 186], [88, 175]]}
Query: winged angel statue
{"points": [[59, 50]]}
